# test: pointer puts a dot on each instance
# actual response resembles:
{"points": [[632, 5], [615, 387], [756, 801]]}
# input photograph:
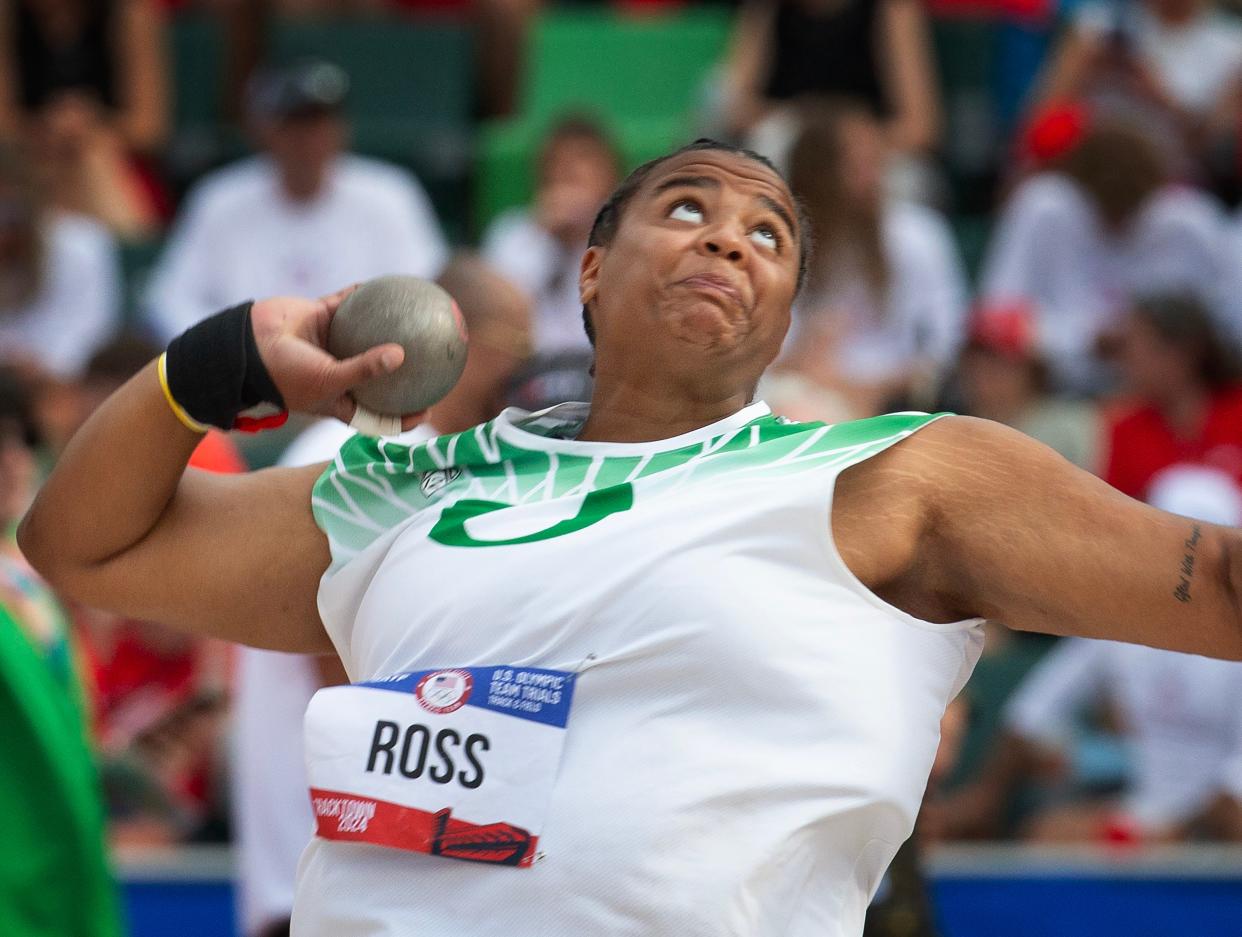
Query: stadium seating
{"points": [[641, 75], [201, 138]]}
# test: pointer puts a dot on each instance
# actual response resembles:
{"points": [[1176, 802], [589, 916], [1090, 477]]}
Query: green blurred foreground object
{"points": [[54, 878]]}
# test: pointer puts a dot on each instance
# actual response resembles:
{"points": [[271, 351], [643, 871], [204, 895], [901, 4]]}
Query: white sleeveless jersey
{"points": [[751, 730]]}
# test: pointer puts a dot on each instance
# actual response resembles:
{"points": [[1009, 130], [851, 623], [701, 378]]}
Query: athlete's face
{"points": [[704, 264]]}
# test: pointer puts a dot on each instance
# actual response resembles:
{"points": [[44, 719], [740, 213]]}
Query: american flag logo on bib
{"points": [[444, 691]]}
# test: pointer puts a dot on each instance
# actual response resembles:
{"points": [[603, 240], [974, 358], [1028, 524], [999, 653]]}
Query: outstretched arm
{"points": [[1015, 533], [122, 525]]}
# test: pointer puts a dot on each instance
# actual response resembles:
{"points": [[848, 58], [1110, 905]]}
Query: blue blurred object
{"points": [[979, 891], [167, 908], [1007, 890], [1088, 907]]}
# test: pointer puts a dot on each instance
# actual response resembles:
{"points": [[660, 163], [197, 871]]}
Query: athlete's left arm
{"points": [[1015, 533]]}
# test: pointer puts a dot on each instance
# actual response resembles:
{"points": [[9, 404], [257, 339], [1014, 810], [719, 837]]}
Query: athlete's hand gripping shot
{"points": [[659, 664]]}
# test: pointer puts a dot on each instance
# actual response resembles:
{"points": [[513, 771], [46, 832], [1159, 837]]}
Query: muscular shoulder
{"points": [[956, 455], [891, 510]]}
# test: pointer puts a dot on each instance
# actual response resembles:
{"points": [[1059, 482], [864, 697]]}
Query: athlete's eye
{"points": [[686, 210], [765, 235]]}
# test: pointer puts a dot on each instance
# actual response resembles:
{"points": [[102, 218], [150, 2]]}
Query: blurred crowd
{"points": [[1065, 258]]}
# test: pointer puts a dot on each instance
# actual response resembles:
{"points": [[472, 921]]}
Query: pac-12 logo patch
{"points": [[444, 691]]}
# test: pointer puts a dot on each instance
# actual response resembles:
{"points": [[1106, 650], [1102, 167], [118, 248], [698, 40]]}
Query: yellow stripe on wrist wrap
{"points": [[188, 421]]}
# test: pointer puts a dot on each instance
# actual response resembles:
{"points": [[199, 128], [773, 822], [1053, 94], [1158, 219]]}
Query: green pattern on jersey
{"points": [[450, 529], [374, 485]]}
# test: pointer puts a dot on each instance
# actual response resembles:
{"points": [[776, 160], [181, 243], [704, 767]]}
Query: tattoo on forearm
{"points": [[1186, 571]]}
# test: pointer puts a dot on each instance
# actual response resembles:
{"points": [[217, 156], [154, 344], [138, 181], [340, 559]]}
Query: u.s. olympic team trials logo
{"points": [[444, 691]]}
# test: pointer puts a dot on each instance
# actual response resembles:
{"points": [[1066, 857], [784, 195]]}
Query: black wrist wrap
{"points": [[215, 372]]}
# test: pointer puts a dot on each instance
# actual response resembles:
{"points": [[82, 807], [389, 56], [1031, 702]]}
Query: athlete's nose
{"points": [[722, 241]]}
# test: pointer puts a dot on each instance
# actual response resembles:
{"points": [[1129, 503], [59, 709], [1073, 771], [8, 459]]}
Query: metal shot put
{"points": [[425, 321]]}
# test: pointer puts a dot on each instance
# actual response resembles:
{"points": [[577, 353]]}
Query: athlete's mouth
{"points": [[712, 283]]}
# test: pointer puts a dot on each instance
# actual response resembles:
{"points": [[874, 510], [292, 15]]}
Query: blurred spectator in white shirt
{"points": [[540, 248], [60, 285], [301, 218], [1100, 223], [883, 311], [1179, 717], [1178, 60]]}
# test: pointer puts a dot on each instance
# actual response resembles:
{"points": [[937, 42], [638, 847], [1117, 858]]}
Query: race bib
{"points": [[453, 762]]}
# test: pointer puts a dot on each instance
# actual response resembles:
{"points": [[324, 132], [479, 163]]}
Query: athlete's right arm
{"points": [[122, 525]]}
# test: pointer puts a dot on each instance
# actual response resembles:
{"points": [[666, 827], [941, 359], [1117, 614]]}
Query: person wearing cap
{"points": [[1002, 375], [1183, 404], [299, 218]]}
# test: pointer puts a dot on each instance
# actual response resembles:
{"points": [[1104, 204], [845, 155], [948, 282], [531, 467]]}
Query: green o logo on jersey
{"points": [[450, 529]]}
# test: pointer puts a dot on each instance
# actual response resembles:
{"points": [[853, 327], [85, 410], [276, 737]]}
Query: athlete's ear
{"points": [[588, 275]]}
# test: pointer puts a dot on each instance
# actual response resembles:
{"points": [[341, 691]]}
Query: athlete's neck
{"points": [[622, 412]]}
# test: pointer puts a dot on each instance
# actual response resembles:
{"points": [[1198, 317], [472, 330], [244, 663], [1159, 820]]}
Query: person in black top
{"points": [[85, 83], [873, 51]]}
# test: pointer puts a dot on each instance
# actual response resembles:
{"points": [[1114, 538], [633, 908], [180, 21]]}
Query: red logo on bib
{"points": [[444, 691]]}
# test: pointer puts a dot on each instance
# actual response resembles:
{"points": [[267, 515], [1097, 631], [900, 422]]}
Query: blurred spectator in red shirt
{"points": [[1187, 388], [87, 82]]}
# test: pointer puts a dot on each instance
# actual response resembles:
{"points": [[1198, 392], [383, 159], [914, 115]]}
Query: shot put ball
{"points": [[420, 317]]}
